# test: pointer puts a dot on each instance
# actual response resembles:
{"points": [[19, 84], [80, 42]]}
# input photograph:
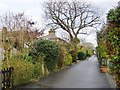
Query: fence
{"points": [[7, 78]]}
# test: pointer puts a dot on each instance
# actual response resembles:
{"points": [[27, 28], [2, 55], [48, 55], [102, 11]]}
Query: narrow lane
{"points": [[84, 74]]}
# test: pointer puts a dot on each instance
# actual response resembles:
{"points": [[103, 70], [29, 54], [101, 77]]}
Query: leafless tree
{"points": [[20, 28], [14, 22], [71, 16], [64, 36]]}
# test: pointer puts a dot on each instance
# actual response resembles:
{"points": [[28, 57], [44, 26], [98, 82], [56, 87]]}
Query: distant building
{"points": [[51, 36]]}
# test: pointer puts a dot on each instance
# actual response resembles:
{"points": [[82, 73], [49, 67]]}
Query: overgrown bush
{"points": [[49, 49], [90, 53], [29, 58], [64, 58], [101, 54], [74, 55], [81, 55], [109, 41], [18, 56], [44, 57], [61, 57], [68, 59], [24, 68], [23, 71], [40, 69]]}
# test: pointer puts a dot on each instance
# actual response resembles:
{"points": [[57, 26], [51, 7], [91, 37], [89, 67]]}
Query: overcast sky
{"points": [[33, 9]]}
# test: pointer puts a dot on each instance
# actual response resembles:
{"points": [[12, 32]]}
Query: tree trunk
{"points": [[74, 43]]}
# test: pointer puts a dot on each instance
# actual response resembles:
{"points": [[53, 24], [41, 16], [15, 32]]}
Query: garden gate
{"points": [[7, 78]]}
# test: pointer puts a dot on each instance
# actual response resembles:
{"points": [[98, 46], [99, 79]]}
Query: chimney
{"points": [[52, 32]]}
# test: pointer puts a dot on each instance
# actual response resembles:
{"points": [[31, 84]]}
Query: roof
{"points": [[52, 36]]}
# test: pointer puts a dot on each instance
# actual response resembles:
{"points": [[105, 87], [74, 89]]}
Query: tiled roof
{"points": [[50, 36]]}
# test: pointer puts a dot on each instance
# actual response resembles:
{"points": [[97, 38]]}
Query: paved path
{"points": [[84, 74]]}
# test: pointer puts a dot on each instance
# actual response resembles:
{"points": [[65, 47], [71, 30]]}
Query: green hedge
{"points": [[43, 57], [81, 55], [65, 57], [49, 50], [23, 71]]}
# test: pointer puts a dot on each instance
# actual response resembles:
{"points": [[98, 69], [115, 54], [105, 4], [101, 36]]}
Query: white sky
{"points": [[33, 9]]}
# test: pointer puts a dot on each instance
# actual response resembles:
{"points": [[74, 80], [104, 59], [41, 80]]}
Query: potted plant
{"points": [[103, 66]]}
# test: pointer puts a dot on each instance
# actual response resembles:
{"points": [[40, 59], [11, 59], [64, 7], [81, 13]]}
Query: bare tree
{"points": [[71, 16], [64, 36], [14, 22], [21, 29]]}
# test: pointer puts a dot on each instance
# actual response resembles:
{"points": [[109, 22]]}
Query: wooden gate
{"points": [[7, 78]]}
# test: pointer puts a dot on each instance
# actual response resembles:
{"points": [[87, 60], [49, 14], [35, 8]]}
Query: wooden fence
{"points": [[7, 78]]}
